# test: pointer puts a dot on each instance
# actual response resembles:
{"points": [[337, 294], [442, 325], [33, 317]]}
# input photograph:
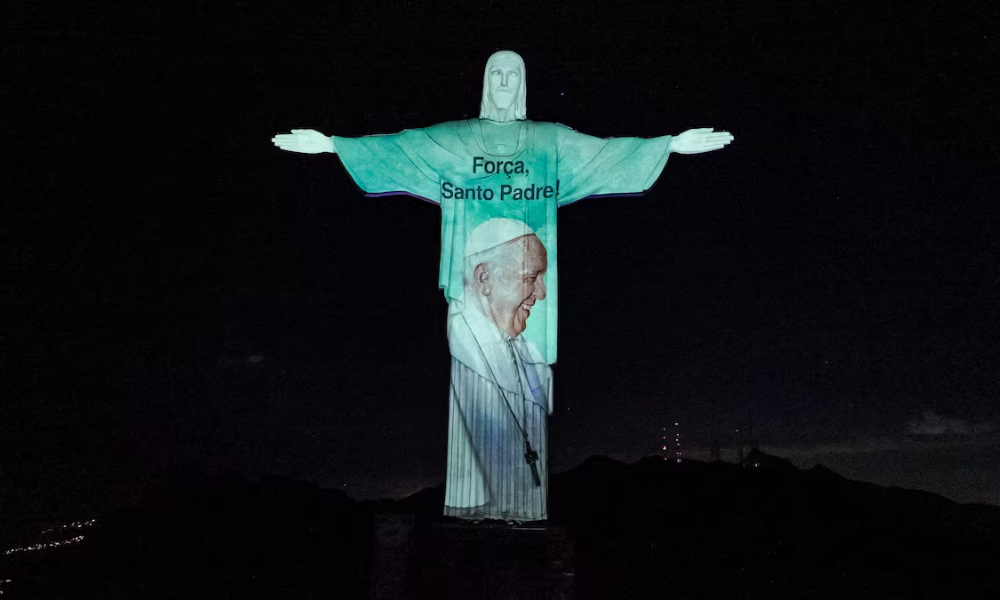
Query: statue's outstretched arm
{"points": [[696, 141], [306, 141]]}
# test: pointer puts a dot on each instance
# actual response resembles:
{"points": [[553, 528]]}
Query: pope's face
{"points": [[515, 288], [505, 81]]}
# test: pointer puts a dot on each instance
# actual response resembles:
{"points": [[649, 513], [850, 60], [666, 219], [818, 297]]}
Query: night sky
{"points": [[179, 294]]}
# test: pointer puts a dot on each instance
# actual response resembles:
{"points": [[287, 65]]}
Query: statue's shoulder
{"points": [[554, 131], [449, 129], [447, 126], [548, 125]]}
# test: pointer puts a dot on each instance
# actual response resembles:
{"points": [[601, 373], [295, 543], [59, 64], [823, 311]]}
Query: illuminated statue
{"points": [[499, 180]]}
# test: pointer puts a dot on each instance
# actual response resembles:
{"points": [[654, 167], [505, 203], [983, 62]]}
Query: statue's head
{"points": [[505, 265], [505, 88]]}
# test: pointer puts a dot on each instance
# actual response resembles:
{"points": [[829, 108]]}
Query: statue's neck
{"points": [[504, 116], [500, 137]]}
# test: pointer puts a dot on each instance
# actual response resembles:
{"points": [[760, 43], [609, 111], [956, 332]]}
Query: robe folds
{"points": [[500, 386], [420, 162]]}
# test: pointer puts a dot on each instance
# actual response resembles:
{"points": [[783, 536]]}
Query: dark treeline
{"points": [[652, 529]]}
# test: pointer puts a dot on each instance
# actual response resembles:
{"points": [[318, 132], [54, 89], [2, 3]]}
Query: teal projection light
{"points": [[499, 181]]}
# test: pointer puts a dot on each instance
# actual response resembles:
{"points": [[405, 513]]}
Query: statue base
{"points": [[456, 559]]}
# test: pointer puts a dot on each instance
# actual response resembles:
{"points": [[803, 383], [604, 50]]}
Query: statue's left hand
{"points": [[696, 141]]}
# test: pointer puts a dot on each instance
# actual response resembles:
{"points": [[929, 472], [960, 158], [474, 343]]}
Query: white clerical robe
{"points": [[499, 385]]}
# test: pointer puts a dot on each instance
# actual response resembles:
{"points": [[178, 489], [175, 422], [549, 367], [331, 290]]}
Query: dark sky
{"points": [[177, 293]]}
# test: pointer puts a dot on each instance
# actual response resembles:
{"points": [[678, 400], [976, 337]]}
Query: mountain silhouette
{"points": [[651, 529]]}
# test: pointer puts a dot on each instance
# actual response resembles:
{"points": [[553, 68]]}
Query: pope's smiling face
{"points": [[515, 286], [505, 81]]}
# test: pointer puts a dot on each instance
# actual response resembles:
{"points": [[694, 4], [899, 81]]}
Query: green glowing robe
{"points": [[551, 166]]}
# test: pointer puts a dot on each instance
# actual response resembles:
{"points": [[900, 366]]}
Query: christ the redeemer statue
{"points": [[499, 180]]}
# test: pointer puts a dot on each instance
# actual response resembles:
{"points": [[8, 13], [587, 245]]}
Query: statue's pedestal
{"points": [[458, 560]]}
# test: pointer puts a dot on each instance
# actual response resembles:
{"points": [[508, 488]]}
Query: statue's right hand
{"points": [[306, 141]]}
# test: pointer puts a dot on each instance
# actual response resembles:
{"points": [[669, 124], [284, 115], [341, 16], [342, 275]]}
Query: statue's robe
{"points": [[551, 166], [499, 386]]}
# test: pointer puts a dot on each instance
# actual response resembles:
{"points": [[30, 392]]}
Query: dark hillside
{"points": [[652, 529]]}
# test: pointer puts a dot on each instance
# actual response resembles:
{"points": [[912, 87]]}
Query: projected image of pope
{"points": [[501, 384], [500, 180], [506, 279]]}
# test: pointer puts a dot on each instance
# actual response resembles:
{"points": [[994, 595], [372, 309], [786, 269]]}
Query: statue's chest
{"points": [[501, 141]]}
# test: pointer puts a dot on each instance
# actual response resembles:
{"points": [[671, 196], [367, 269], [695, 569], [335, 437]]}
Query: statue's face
{"points": [[515, 288], [505, 81]]}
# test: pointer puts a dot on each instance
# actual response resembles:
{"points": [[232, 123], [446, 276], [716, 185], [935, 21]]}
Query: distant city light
{"points": [[45, 546], [73, 525], [677, 444]]}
